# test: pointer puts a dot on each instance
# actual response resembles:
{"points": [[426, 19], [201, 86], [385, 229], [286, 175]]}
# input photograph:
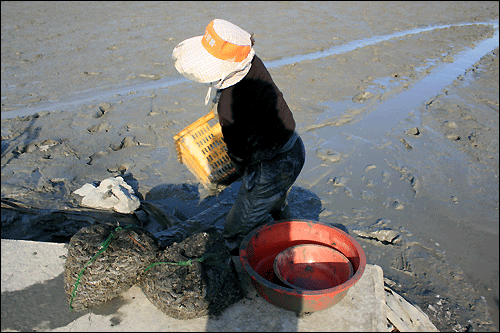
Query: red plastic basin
{"points": [[312, 267], [260, 247]]}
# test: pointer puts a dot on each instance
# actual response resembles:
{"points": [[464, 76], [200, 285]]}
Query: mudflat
{"points": [[396, 102]]}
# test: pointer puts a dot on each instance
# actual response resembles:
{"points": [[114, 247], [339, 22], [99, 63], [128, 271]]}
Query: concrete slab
{"points": [[33, 299], [25, 263]]}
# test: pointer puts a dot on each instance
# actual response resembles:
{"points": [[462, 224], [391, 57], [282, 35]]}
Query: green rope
{"points": [[188, 262], [104, 246]]}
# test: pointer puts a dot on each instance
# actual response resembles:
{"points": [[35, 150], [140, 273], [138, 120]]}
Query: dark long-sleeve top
{"points": [[256, 121]]}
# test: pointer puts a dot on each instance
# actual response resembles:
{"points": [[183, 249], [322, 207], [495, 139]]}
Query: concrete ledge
{"points": [[25, 263], [33, 299]]}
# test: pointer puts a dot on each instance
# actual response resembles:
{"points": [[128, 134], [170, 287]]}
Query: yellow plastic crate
{"points": [[201, 148]]}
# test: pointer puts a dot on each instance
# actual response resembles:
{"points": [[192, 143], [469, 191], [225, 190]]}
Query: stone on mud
{"points": [[112, 193]]}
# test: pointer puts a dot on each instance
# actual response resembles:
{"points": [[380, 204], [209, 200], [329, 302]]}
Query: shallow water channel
{"points": [[362, 172], [142, 89]]}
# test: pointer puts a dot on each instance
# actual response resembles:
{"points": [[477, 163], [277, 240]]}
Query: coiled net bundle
{"points": [[125, 253], [193, 278]]}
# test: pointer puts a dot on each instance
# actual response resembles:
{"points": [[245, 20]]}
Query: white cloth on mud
{"points": [[112, 193]]}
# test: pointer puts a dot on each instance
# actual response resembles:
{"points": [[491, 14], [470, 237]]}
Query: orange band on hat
{"points": [[222, 49]]}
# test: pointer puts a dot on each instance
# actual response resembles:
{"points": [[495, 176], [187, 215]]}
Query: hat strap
{"points": [[207, 98]]}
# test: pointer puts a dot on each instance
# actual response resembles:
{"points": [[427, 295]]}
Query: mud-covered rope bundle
{"points": [[193, 278], [105, 260]]}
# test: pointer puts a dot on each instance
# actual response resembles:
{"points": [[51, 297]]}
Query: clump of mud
{"points": [[105, 260], [193, 278]]}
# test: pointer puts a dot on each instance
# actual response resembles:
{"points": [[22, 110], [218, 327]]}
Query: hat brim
{"points": [[194, 62]]}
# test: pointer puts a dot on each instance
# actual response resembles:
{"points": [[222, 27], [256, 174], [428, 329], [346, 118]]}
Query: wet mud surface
{"points": [[89, 92]]}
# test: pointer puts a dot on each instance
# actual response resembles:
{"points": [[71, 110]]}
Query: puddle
{"points": [[389, 113], [142, 89], [346, 135], [351, 46]]}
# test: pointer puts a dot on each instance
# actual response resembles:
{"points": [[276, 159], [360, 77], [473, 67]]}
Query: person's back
{"points": [[255, 119]]}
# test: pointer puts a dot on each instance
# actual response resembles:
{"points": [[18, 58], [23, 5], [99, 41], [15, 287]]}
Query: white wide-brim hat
{"points": [[222, 55]]}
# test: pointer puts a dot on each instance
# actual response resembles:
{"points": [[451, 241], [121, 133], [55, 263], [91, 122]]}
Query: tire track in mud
{"points": [[132, 91]]}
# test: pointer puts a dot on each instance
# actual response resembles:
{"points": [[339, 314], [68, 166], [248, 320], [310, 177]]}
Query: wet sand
{"points": [[89, 92]]}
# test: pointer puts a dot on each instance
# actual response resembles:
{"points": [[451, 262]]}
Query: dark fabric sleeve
{"points": [[255, 119]]}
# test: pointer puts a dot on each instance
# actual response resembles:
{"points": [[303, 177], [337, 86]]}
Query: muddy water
{"points": [[351, 46], [391, 112]]}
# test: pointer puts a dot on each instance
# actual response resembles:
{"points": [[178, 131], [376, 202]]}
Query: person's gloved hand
{"points": [[234, 176], [237, 173]]}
